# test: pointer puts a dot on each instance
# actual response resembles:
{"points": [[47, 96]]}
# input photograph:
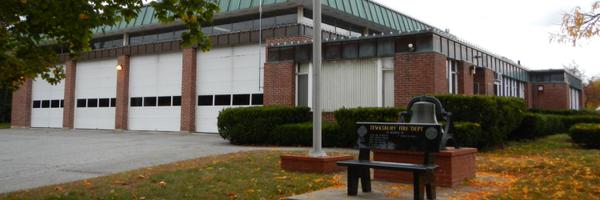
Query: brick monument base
{"points": [[455, 165], [312, 164]]}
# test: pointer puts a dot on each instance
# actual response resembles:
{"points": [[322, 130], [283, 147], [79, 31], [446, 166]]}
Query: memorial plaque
{"points": [[399, 136]]}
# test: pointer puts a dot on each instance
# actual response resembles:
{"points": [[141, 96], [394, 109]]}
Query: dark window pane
{"points": [[136, 102], [176, 100], [205, 100], [37, 104], [55, 103], [46, 104], [105, 102], [113, 102], [164, 101], [222, 100], [241, 99], [257, 99], [81, 103], [62, 103], [149, 101], [92, 103]]}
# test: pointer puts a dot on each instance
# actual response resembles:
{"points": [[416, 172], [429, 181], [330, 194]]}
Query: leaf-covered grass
{"points": [[247, 175], [4, 125], [548, 168]]}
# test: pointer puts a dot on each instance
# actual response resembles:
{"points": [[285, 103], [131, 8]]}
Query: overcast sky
{"points": [[516, 29]]}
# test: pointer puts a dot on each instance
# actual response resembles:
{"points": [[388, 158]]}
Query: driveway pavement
{"points": [[36, 157]]}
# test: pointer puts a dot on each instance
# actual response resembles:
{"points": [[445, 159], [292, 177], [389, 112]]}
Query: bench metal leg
{"points": [[418, 186], [430, 186], [365, 179], [353, 175]]}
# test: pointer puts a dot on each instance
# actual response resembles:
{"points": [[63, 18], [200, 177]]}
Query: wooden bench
{"points": [[424, 137]]}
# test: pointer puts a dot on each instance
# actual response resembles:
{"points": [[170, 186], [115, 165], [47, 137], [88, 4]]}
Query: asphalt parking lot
{"points": [[36, 157]]}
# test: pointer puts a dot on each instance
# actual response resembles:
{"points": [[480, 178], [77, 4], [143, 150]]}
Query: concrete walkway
{"points": [[36, 157]]}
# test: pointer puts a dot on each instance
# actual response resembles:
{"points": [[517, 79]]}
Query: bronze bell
{"points": [[423, 112]]}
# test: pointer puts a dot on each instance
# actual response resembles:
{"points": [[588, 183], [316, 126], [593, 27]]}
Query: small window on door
{"points": [[176, 100], [223, 100], [81, 103], [257, 99], [104, 102], [136, 102], [164, 101], [37, 104], [113, 102], [92, 103], [241, 99], [205, 100], [46, 104], [55, 103], [149, 101]]}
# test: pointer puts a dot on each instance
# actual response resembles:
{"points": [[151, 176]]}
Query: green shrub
{"points": [[468, 134], [566, 112], [536, 125], [497, 116], [254, 125], [347, 118], [300, 134], [570, 120], [586, 135]]}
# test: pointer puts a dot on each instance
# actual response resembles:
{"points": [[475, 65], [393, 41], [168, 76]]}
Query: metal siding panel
{"points": [[367, 10], [149, 16], [349, 83], [245, 4], [234, 5], [361, 9]]}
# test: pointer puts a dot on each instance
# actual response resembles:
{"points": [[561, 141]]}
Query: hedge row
{"points": [[301, 135], [468, 134], [565, 112], [536, 125], [586, 135], [254, 125], [497, 116]]}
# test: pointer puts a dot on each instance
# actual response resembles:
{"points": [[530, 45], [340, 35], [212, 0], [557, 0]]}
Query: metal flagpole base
{"points": [[317, 153]]}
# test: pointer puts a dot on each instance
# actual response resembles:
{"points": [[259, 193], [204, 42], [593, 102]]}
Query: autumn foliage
{"points": [[581, 24]]}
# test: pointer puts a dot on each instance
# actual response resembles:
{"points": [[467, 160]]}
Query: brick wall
{"points": [[21, 106], [280, 83], [69, 105], [188, 90], [485, 79], [465, 78], [529, 90], [419, 74], [122, 107], [554, 96]]}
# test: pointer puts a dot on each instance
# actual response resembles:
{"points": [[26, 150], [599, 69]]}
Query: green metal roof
{"points": [[376, 13], [364, 9]]}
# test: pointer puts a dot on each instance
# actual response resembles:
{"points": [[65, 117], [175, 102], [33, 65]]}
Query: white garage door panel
{"points": [[95, 79], [155, 76], [52, 116], [226, 71]]}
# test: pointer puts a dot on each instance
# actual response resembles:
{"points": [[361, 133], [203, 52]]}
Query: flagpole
{"points": [[317, 150]]}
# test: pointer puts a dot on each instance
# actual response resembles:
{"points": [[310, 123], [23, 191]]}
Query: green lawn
{"points": [[548, 168], [4, 125], [250, 175]]}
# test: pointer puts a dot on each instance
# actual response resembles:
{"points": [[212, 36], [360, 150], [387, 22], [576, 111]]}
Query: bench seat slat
{"points": [[388, 165]]}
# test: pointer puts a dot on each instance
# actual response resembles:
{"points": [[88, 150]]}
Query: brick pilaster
{"points": [[21, 106], [554, 96], [422, 73], [188, 90], [528, 95], [122, 107], [485, 79], [280, 83], [465, 78], [69, 105]]}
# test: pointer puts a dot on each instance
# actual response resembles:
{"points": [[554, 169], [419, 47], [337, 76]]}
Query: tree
{"points": [[579, 24], [574, 69], [592, 93], [31, 30]]}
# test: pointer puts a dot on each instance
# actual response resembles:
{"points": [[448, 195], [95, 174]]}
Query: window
{"points": [[302, 86], [113, 102], [81, 103], [62, 103], [222, 100], [55, 103], [136, 102], [176, 100], [149, 101], [104, 102], [257, 99], [46, 104], [205, 100], [452, 77], [164, 101], [37, 104], [92, 103], [241, 99]]}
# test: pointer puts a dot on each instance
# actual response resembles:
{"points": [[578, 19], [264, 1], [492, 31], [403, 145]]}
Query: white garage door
{"points": [[155, 92], [48, 103], [95, 92], [227, 77]]}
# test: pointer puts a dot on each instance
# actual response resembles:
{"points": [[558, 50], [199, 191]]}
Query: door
{"points": [[47, 105], [95, 93]]}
